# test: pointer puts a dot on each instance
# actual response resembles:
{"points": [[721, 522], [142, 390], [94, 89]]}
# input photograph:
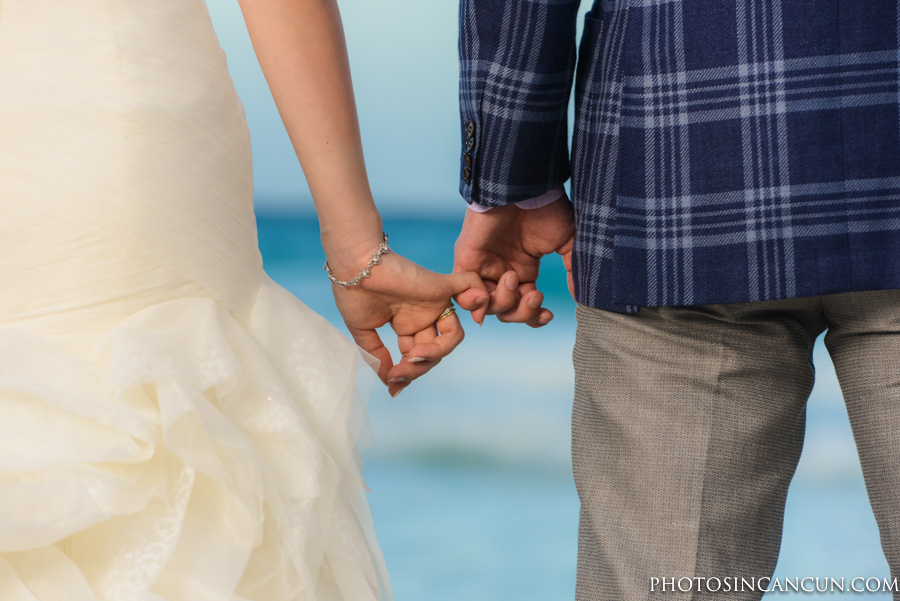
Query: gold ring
{"points": [[450, 310]]}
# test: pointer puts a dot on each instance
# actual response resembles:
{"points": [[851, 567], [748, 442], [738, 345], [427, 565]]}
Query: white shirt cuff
{"points": [[532, 203]]}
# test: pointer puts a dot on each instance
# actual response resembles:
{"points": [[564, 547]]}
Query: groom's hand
{"points": [[505, 245]]}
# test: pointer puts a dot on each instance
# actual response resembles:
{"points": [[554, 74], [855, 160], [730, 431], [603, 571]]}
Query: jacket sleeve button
{"points": [[470, 129]]}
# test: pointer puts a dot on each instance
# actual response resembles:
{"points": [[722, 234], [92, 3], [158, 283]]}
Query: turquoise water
{"points": [[472, 489]]}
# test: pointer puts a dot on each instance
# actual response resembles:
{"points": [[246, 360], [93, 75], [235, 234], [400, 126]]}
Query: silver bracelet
{"points": [[365, 272]]}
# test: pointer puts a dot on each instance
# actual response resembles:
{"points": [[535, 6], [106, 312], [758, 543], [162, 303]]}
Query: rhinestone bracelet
{"points": [[365, 272]]}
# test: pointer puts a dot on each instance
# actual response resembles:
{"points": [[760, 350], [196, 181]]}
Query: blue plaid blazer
{"points": [[723, 150]]}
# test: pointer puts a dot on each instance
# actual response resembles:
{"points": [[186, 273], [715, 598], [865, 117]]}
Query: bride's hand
{"points": [[410, 298]]}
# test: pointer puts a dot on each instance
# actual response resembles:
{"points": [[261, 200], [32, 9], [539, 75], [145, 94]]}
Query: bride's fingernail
{"points": [[417, 359], [396, 380], [396, 392]]}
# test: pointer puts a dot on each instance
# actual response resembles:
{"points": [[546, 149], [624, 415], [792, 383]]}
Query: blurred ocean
{"points": [[472, 487]]}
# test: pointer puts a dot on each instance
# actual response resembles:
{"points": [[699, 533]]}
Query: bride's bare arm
{"points": [[300, 46]]}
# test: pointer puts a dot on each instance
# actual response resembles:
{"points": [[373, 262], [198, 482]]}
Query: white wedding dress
{"points": [[173, 424]]}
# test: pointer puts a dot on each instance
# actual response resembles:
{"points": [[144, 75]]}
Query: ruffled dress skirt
{"points": [[174, 425]]}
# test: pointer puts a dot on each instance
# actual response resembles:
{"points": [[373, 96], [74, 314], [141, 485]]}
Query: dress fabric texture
{"points": [[175, 425]]}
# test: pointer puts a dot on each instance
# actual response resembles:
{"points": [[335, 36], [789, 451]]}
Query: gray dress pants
{"points": [[688, 424]]}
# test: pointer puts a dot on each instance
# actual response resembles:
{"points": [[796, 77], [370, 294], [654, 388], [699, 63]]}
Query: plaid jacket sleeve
{"points": [[517, 61]]}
